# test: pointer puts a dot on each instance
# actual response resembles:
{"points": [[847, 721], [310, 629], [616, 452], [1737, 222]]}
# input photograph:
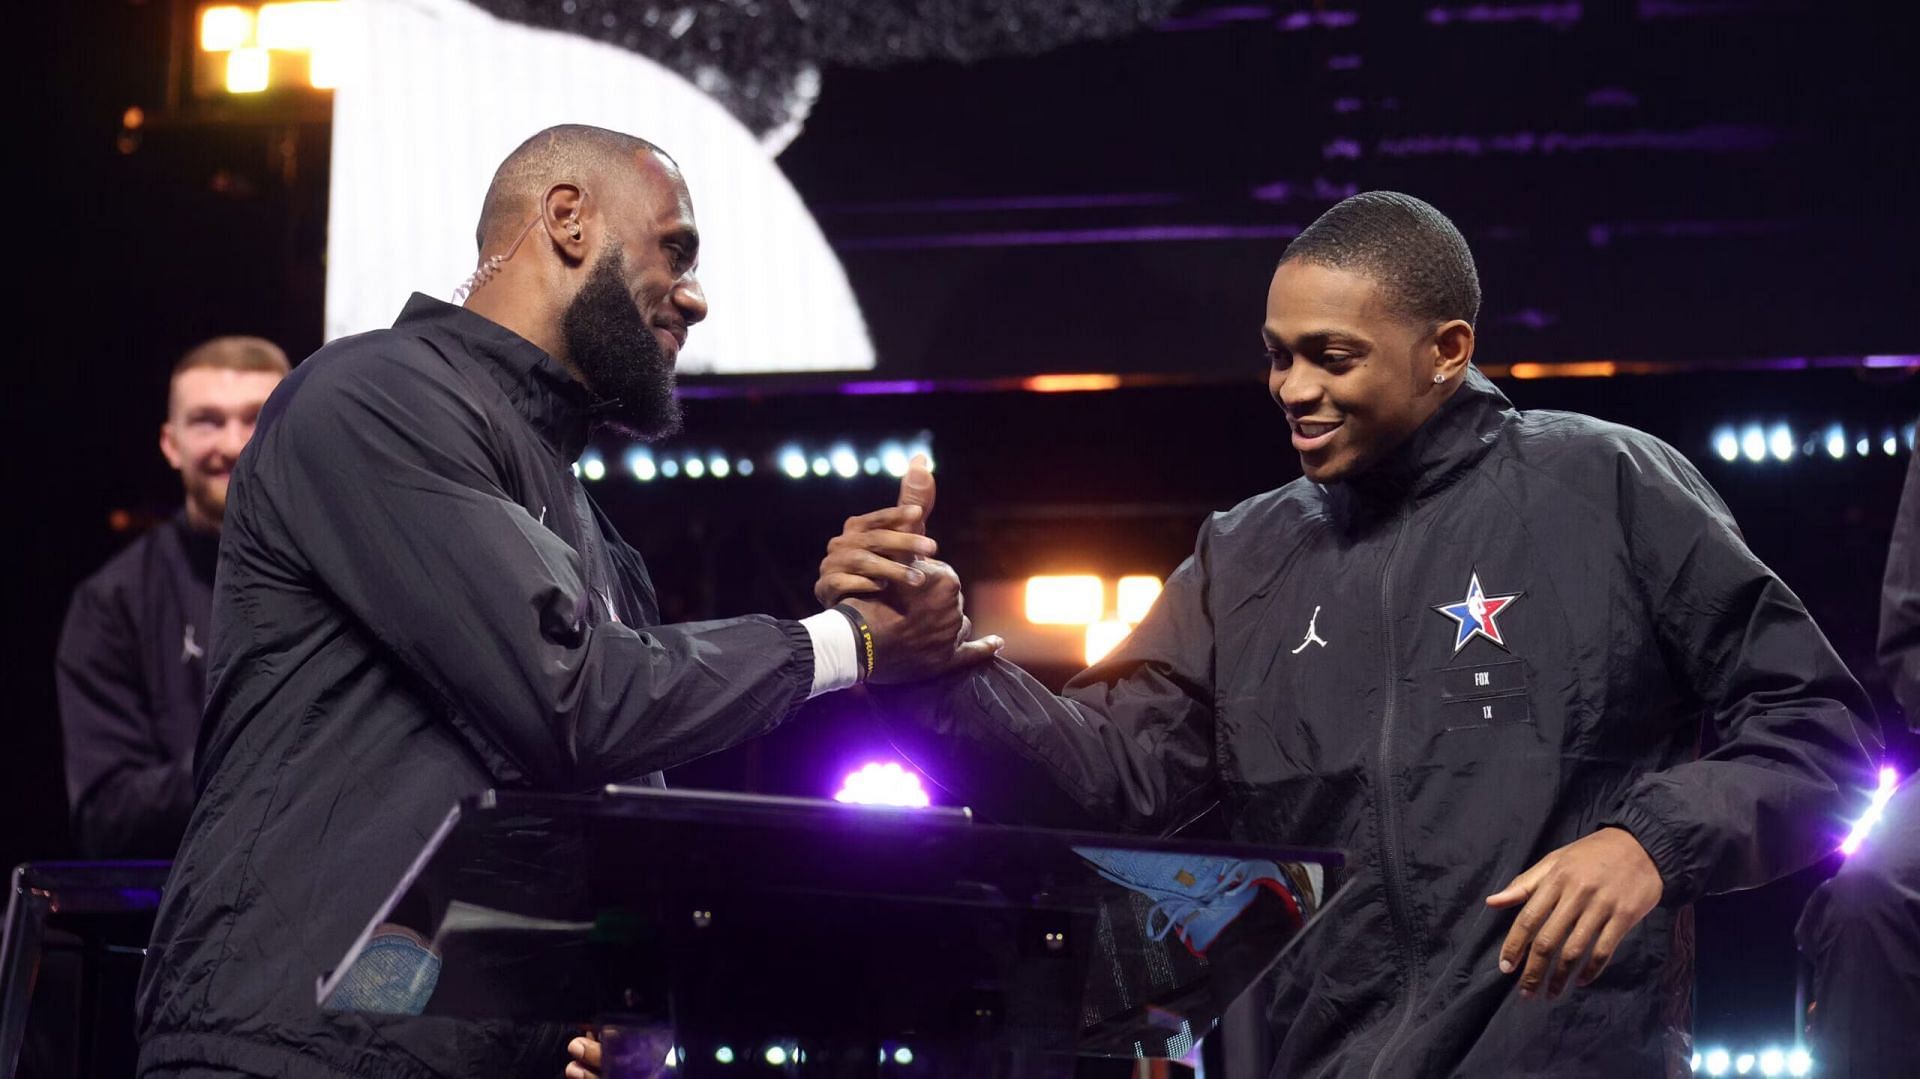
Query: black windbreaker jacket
{"points": [[416, 602], [1314, 667], [131, 672]]}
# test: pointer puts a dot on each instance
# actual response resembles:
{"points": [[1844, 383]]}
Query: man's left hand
{"points": [[1580, 902], [585, 1051]]}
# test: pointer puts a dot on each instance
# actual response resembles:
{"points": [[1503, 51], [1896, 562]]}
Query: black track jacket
{"points": [[1522, 627], [416, 602], [131, 673]]}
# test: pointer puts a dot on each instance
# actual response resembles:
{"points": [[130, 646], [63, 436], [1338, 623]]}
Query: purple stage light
{"points": [[883, 783], [1889, 780]]}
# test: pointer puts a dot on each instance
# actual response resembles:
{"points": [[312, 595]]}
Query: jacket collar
{"points": [[540, 390], [202, 549], [1452, 441]]}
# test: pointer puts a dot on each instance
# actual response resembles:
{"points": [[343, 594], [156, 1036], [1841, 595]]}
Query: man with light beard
{"points": [[419, 602], [131, 667]]}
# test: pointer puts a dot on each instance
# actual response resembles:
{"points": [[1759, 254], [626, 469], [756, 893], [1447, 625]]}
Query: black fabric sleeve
{"points": [[1900, 600], [1792, 753], [383, 477], [1127, 746], [127, 799]]}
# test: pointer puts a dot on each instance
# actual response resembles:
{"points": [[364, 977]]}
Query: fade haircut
{"points": [[565, 153], [236, 354], [1416, 256], [230, 354]]}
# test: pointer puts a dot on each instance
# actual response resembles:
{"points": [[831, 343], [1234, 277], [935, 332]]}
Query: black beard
{"points": [[618, 357]]}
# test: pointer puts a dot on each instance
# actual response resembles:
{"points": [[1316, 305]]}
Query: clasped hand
{"points": [[882, 565]]}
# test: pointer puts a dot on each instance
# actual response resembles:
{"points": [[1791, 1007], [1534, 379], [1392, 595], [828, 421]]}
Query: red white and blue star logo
{"points": [[1475, 616]]}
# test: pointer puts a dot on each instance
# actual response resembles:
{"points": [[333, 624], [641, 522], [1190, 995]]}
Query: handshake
{"points": [[882, 566]]}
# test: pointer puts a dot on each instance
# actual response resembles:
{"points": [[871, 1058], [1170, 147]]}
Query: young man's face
{"points": [[1354, 376], [210, 416]]}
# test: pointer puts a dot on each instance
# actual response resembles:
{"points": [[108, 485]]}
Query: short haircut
{"points": [[560, 154], [230, 354], [236, 354], [1415, 254]]}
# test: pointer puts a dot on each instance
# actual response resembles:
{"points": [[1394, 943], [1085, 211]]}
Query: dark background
{"points": [[1728, 187]]}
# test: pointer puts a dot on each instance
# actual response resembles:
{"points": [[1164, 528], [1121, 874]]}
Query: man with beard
{"points": [[1475, 648], [131, 666], [418, 602]]}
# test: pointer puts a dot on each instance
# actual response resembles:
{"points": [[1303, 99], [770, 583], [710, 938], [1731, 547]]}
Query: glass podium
{"points": [[699, 930]]}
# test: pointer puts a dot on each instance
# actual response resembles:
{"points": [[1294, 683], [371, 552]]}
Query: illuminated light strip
{"points": [[1070, 383], [1889, 782], [1588, 369], [704, 387]]}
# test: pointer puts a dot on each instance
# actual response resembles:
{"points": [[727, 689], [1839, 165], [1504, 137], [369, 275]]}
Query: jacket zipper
{"points": [[1388, 815]]}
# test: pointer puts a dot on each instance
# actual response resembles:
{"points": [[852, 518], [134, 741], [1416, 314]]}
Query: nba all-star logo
{"points": [[1477, 615]]}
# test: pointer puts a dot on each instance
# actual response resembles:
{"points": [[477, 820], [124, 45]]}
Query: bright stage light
{"points": [[640, 463], [1726, 444], [894, 459], [1743, 1063], [1772, 1062], [883, 783], [743, 466], [1065, 601], [720, 467], [822, 466], [1862, 446], [247, 71], [776, 1055], [1718, 1061], [1889, 780], [323, 68], [1780, 443], [1753, 443], [846, 464], [593, 468], [793, 463], [903, 1056], [871, 466], [299, 26], [1104, 637], [1836, 442], [224, 28], [1135, 598], [724, 1054], [1799, 1062], [1889, 445], [695, 468], [669, 468]]}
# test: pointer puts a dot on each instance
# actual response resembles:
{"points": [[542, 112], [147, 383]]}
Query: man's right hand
{"points": [[881, 565], [921, 630]]}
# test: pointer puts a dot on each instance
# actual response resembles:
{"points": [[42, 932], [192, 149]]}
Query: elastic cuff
{"points": [[1662, 846]]}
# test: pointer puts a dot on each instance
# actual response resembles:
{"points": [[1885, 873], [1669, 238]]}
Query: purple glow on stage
{"points": [[1891, 361], [999, 203], [882, 388], [1065, 237], [879, 783], [1889, 780]]}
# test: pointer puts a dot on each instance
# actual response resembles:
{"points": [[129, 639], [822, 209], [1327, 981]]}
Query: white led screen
{"points": [[434, 93]]}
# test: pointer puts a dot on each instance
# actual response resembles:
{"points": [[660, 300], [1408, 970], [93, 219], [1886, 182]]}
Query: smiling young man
{"points": [[131, 668], [419, 602], [1476, 648]]}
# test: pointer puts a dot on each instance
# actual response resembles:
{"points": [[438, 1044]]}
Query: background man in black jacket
{"points": [[1478, 649], [1862, 928], [131, 668], [418, 601]]}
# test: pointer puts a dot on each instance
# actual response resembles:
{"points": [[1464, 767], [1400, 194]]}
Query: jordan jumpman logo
{"points": [[1313, 637]]}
